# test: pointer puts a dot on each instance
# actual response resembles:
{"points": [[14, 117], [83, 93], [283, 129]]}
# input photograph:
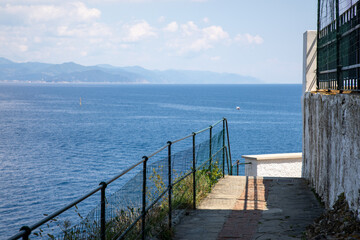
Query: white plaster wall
{"points": [[309, 61], [274, 168], [331, 146]]}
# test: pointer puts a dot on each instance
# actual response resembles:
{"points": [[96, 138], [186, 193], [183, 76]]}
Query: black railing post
{"points": [[338, 37], [223, 145], [194, 173], [170, 183], [144, 199], [228, 142], [102, 213], [27, 232], [237, 167], [210, 156]]}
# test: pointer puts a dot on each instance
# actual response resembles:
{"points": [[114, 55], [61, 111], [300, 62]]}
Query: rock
{"points": [[338, 223], [320, 237]]}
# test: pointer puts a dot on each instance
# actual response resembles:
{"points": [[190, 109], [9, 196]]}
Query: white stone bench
{"points": [[274, 165]]}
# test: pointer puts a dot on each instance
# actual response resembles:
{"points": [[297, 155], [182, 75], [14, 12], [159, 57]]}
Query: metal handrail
{"points": [[25, 231], [55, 214], [124, 172], [156, 152], [211, 126], [188, 136], [237, 163]]}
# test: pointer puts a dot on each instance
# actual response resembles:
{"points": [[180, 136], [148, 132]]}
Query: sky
{"points": [[261, 39]]}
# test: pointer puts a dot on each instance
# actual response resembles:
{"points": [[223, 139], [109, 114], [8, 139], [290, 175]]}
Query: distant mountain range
{"points": [[75, 73]]}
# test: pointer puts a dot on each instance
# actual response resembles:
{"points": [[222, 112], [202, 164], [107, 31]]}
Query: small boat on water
{"points": [[237, 108]]}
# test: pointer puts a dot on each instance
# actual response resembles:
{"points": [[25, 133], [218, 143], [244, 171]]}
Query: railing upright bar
{"points": [[102, 213], [194, 172], [144, 200], [237, 167], [210, 156], [170, 183], [27, 232], [223, 144], [229, 167], [228, 142], [227, 161], [338, 37]]}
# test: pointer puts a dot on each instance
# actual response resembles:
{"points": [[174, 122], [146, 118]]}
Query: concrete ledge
{"points": [[274, 165], [276, 156]]}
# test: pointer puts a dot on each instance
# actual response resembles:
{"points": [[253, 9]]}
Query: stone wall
{"points": [[331, 146]]}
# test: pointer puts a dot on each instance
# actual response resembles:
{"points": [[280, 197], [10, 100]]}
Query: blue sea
{"points": [[54, 149]]}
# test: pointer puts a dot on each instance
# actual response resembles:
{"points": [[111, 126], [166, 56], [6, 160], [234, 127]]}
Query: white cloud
{"points": [[249, 39], [23, 48], [142, 1], [161, 19], [171, 27], [86, 13], [33, 13], [138, 31], [198, 45], [68, 12], [189, 28], [73, 30], [84, 30], [95, 1], [37, 39], [67, 30], [215, 33], [216, 58], [192, 39]]}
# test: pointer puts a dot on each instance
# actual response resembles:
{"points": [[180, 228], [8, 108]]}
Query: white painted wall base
{"points": [[274, 165]]}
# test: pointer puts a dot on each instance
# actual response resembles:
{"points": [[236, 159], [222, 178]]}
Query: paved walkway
{"points": [[252, 208]]}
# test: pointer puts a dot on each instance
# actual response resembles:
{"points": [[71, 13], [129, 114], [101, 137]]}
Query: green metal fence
{"points": [[338, 45], [163, 186]]}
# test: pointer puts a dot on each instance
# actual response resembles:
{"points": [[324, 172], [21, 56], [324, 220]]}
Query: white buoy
{"points": [[237, 108]]}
